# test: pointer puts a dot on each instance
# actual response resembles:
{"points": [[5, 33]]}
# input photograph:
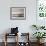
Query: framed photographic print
{"points": [[18, 13]]}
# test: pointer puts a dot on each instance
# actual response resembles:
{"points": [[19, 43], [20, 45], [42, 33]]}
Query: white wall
{"points": [[24, 25]]}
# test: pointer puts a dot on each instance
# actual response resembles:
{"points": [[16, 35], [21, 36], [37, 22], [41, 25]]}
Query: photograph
{"points": [[17, 13]]}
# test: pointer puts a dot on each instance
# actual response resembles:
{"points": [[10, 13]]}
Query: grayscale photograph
{"points": [[17, 13]]}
